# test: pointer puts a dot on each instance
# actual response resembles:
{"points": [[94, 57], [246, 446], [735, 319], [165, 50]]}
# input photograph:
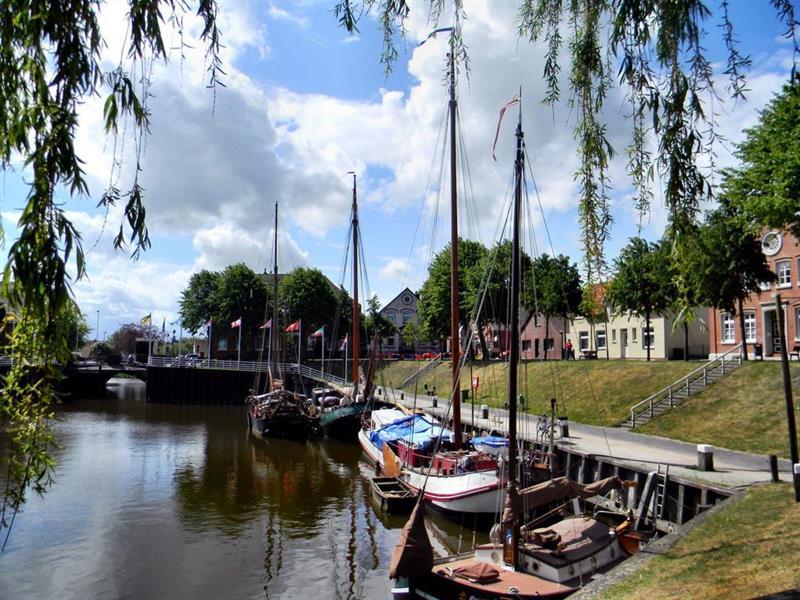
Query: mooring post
{"points": [[796, 474], [705, 457], [773, 468]]}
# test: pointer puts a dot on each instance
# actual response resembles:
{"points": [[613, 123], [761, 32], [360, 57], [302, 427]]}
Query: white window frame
{"points": [[750, 326], [583, 340], [598, 335], [613, 336], [633, 334], [797, 323], [783, 269], [649, 336], [391, 315], [727, 326]]}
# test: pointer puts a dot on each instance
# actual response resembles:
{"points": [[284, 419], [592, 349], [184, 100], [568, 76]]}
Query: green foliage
{"points": [[767, 183], [434, 296], [240, 292], [308, 295], [50, 63], [197, 303], [123, 340], [593, 306], [726, 262], [642, 284], [557, 286], [656, 51], [411, 334], [375, 322], [493, 274]]}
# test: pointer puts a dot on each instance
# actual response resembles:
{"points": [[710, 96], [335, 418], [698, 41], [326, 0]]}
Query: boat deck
{"points": [[520, 585]]}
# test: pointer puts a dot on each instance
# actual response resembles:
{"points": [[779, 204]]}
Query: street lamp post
{"points": [[97, 337]]}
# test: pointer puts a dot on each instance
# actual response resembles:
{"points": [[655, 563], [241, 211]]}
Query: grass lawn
{"points": [[749, 549], [597, 392], [744, 411]]}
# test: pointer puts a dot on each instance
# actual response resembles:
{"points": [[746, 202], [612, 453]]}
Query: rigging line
{"points": [[426, 191], [468, 202]]}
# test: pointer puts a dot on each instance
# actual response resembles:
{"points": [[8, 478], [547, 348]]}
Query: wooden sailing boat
{"points": [[278, 412], [526, 562], [344, 421], [455, 480]]}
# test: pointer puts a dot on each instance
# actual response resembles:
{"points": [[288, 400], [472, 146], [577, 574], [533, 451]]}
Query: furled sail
{"points": [[413, 555]]}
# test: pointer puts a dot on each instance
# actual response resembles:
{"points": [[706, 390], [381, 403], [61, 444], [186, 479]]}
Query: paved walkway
{"points": [[731, 469]]}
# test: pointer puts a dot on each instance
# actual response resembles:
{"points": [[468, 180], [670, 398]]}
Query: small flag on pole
{"points": [[293, 327], [236, 323], [266, 325], [319, 332], [344, 344], [508, 105], [147, 319], [208, 323]]}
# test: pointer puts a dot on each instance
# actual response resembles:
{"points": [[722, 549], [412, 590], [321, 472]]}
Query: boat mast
{"points": [[455, 343], [510, 514], [274, 324], [356, 333]]}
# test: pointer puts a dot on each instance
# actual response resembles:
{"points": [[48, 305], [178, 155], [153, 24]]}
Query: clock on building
{"points": [[771, 243]]}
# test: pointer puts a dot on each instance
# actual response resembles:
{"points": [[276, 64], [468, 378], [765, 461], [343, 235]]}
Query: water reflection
{"points": [[162, 501]]}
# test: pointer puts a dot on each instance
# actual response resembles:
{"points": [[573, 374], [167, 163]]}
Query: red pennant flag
{"points": [[508, 105], [293, 327]]}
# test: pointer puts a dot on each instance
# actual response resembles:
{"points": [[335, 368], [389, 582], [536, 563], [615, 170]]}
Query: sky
{"points": [[305, 103]]}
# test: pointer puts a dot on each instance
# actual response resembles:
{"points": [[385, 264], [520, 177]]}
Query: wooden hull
{"points": [[392, 495], [344, 423], [290, 426]]}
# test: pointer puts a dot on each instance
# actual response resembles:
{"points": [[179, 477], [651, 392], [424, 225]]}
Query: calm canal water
{"points": [[160, 501]]}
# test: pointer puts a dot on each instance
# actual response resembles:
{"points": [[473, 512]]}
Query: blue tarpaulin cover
{"points": [[492, 441], [418, 430]]}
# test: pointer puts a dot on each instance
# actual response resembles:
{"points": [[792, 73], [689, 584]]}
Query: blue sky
{"points": [[303, 104]]}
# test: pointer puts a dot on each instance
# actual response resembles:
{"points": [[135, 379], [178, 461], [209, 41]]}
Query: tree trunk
{"points": [[608, 341], [685, 340], [744, 333], [482, 341], [647, 326]]}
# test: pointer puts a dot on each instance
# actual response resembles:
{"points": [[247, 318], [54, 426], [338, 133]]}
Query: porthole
{"points": [[535, 566]]}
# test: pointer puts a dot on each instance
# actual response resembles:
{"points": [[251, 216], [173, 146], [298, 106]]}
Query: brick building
{"points": [[782, 250]]}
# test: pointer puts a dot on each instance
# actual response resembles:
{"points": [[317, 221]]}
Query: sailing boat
{"points": [[343, 421], [525, 562], [455, 480], [278, 412]]}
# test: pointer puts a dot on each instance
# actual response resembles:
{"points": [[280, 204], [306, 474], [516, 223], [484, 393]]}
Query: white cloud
{"points": [[279, 14], [394, 270]]}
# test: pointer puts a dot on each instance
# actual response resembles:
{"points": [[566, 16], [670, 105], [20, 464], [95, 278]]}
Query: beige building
{"points": [[625, 336]]}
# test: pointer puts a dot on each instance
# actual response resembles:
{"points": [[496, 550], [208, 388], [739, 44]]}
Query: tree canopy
{"points": [[197, 303], [308, 295], [766, 184], [642, 284]]}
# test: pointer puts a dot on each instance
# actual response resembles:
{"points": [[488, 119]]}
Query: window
{"points": [[784, 272], [613, 336], [633, 334], [407, 316], [601, 340], [750, 326], [222, 344], [390, 341], [647, 337], [391, 315], [548, 344], [624, 335], [797, 322], [727, 328], [583, 340], [526, 345]]}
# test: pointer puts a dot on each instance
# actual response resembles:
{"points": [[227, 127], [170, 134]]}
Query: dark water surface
{"points": [[161, 501]]}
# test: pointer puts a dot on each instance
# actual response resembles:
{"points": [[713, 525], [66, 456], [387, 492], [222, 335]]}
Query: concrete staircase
{"points": [[430, 365], [686, 387]]}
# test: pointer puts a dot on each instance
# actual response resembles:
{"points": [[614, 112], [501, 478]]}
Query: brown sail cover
{"points": [[563, 487], [413, 555]]}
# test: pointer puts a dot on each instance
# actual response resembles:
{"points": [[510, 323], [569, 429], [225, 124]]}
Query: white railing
{"points": [[243, 365], [728, 360]]}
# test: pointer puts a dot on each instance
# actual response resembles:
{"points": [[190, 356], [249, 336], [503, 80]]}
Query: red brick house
{"points": [[782, 250]]}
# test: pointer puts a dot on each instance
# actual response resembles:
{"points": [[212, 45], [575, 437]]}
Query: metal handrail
{"points": [[244, 365], [416, 374], [654, 399]]}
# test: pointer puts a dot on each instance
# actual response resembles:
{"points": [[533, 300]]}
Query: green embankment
{"points": [[746, 550], [744, 411], [597, 392]]}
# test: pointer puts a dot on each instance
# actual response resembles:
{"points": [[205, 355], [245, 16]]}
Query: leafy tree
{"points": [[308, 295], [434, 296], [73, 326], [554, 289], [123, 340], [642, 285], [51, 63], [656, 51], [376, 323], [767, 183], [411, 334], [198, 302], [727, 263], [240, 293]]}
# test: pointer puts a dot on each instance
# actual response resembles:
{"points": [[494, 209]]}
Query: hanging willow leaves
{"points": [[657, 50], [50, 63]]}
